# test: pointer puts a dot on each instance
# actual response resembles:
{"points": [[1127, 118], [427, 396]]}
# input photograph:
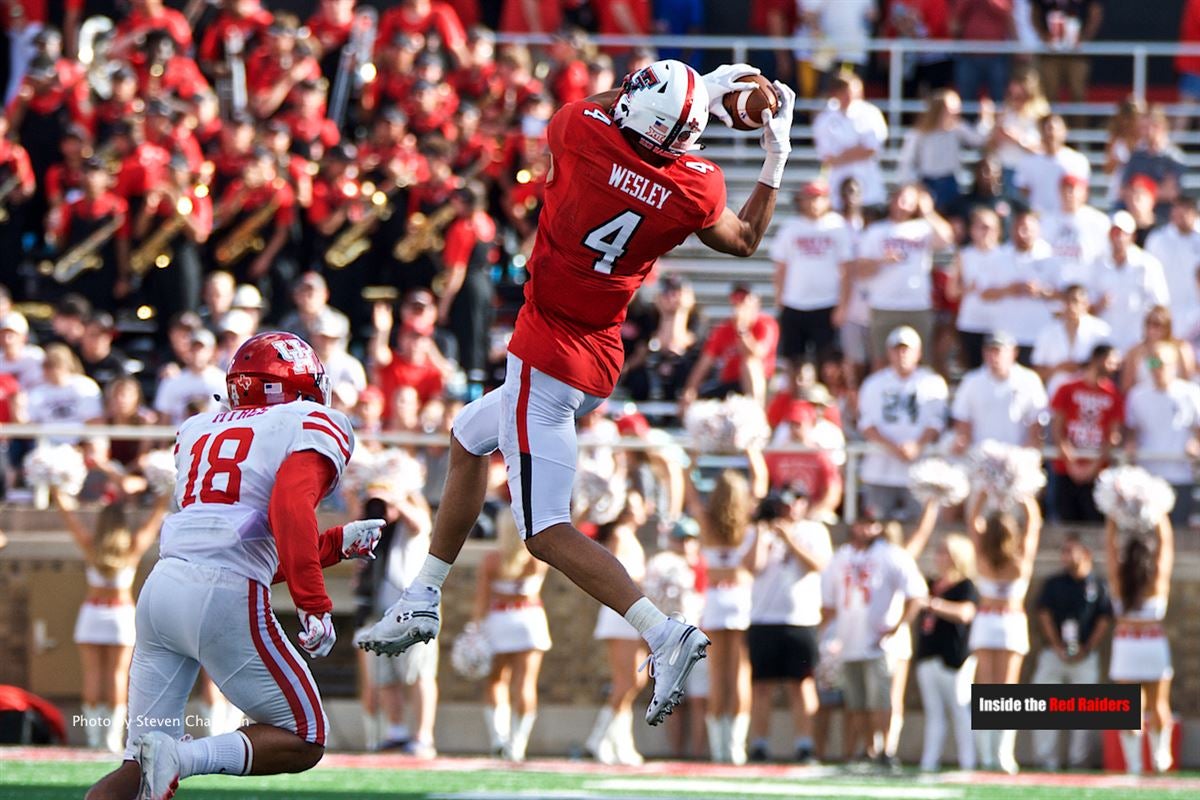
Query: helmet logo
{"points": [[644, 79], [298, 354]]}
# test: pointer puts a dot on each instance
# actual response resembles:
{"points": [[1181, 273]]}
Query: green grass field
{"points": [[46, 778]]}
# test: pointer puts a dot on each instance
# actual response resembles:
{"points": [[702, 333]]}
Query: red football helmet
{"points": [[275, 367]]}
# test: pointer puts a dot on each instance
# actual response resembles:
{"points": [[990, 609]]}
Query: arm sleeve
{"points": [[302, 481], [460, 240], [329, 549]]}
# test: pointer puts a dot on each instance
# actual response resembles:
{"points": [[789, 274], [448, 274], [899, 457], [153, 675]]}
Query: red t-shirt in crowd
{"points": [[425, 377], [1090, 414], [783, 404], [463, 235], [816, 472], [441, 19], [723, 346]]}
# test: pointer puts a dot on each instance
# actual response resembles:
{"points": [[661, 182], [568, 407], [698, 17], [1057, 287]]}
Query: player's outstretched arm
{"points": [[740, 234]]}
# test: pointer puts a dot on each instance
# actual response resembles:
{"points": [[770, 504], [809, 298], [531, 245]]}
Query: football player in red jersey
{"points": [[613, 206]]}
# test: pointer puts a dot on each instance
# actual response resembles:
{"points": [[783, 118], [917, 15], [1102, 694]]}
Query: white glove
{"points": [[318, 635], [777, 137], [723, 80], [360, 537]]}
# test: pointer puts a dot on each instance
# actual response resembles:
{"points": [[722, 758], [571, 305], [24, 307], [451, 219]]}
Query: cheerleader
{"points": [[105, 629], [724, 522], [1141, 583], [611, 740], [999, 635], [508, 608]]}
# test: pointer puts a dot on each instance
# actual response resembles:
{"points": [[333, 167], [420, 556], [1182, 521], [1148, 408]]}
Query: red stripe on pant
{"points": [[257, 617], [310, 691], [523, 448]]}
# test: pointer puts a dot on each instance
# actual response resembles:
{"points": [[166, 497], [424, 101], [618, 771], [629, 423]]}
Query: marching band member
{"points": [[99, 209]]}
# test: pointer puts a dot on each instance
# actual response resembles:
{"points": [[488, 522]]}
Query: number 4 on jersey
{"points": [[611, 239]]}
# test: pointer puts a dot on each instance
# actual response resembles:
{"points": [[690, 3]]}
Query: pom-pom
{"points": [[471, 653], [158, 466], [1133, 498], [940, 481], [669, 582], [597, 499], [392, 474], [359, 470], [732, 425], [1009, 474], [59, 466]]}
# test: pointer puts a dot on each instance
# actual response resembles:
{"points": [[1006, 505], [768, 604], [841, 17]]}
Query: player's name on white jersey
{"points": [[639, 186], [245, 413]]}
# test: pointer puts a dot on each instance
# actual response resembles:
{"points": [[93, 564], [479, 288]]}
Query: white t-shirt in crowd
{"points": [[175, 392], [998, 409], [901, 409], [811, 252], [979, 270], [1163, 421], [868, 589], [1023, 317], [1054, 345], [834, 132], [343, 368], [907, 284], [76, 402], [26, 367], [1042, 175], [786, 592], [404, 560], [1132, 290], [1179, 255], [1077, 241]]}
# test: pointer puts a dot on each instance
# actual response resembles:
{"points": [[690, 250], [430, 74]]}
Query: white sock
{"points": [[1006, 751], [1131, 748], [985, 745], [398, 732], [227, 754], [433, 572], [92, 728], [373, 727], [621, 734], [114, 734], [1160, 748], [644, 615], [891, 741], [498, 721], [739, 726], [600, 729], [521, 730], [713, 726]]}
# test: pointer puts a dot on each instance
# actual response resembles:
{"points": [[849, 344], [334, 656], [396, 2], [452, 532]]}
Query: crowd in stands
{"points": [[181, 183]]}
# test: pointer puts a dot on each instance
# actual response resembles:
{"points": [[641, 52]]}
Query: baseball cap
{"points": [[238, 322], [670, 283], [1124, 221], [311, 280], [247, 296], [14, 321], [204, 337], [1071, 179], [904, 335], [999, 339], [817, 394], [801, 412], [333, 326], [815, 188], [371, 394], [739, 290], [633, 424], [102, 320], [685, 528]]}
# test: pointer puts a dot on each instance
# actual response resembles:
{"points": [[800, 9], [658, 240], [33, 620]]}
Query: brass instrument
{"points": [[424, 234], [6, 189], [235, 45], [247, 237], [355, 240], [83, 256], [355, 67], [156, 250]]}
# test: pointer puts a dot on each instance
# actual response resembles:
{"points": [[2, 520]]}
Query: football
{"points": [[746, 107]]}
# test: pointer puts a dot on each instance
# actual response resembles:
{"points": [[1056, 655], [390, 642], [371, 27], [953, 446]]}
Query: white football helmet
{"points": [[666, 106]]}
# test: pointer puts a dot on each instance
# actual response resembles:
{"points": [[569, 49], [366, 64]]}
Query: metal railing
{"points": [[853, 451], [740, 47]]}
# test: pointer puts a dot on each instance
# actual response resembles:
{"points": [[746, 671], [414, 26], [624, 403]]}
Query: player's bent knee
{"points": [[308, 755]]}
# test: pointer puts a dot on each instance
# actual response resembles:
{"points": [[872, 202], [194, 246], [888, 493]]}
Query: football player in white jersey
{"points": [[249, 481]]}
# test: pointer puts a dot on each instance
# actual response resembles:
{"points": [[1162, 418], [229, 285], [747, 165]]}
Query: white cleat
{"points": [[413, 618], [159, 760], [670, 666]]}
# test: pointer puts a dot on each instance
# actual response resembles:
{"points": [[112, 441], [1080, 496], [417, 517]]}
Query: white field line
{"points": [[797, 788]]}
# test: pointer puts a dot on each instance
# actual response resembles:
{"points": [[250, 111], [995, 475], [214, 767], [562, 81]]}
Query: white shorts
{"points": [[898, 646], [726, 608], [611, 625], [1142, 658], [531, 419], [697, 682], [517, 630], [419, 662], [992, 630], [104, 624], [191, 616]]}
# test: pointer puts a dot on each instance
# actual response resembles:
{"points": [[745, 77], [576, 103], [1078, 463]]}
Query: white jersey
{"points": [[1003, 410], [1077, 240], [1179, 254], [979, 268], [1024, 317], [907, 284], [1131, 290], [901, 409], [868, 589], [812, 252], [227, 464], [785, 591]]}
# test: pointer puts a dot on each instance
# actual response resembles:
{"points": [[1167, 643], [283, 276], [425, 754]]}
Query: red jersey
{"points": [[722, 345], [608, 216], [1090, 414], [441, 20]]}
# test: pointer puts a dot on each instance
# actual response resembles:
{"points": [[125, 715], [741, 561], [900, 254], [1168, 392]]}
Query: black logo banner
{"points": [[1056, 707]]}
